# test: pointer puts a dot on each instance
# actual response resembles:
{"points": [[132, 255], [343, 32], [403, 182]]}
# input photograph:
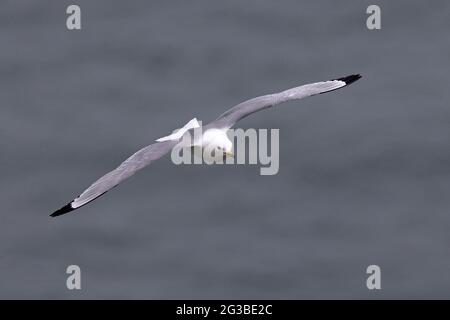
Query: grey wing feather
{"points": [[242, 110], [129, 167]]}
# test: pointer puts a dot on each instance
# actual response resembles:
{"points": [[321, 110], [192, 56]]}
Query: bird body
{"points": [[215, 142]]}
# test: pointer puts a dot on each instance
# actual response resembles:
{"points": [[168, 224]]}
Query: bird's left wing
{"points": [[242, 110], [136, 162]]}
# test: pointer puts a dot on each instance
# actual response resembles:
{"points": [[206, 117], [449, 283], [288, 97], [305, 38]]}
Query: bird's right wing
{"points": [[136, 162], [242, 110]]}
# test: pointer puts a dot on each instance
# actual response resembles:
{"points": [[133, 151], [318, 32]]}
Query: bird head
{"points": [[226, 148]]}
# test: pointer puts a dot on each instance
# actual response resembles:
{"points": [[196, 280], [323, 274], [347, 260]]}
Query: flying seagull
{"points": [[214, 137]]}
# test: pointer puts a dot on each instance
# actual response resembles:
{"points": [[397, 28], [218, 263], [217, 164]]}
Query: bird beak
{"points": [[229, 154]]}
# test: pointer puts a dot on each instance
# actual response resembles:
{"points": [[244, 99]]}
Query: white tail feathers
{"points": [[179, 132]]}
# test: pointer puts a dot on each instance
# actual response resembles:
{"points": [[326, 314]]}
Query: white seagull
{"points": [[214, 137]]}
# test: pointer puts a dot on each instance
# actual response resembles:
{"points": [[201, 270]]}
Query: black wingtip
{"points": [[66, 209], [350, 79]]}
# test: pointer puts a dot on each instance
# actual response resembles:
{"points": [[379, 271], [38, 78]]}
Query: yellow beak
{"points": [[229, 154]]}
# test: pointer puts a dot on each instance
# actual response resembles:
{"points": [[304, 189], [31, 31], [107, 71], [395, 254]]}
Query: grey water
{"points": [[364, 174]]}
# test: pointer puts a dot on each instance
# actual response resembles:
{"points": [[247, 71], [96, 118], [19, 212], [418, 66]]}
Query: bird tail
{"points": [[179, 132]]}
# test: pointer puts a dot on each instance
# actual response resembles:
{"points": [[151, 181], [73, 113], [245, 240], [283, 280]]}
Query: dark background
{"points": [[364, 172]]}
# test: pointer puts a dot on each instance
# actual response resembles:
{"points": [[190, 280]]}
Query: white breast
{"points": [[214, 137]]}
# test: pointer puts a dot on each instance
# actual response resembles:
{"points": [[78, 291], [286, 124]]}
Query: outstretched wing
{"points": [[242, 110], [136, 162]]}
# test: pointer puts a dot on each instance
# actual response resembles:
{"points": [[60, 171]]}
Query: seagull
{"points": [[213, 138]]}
